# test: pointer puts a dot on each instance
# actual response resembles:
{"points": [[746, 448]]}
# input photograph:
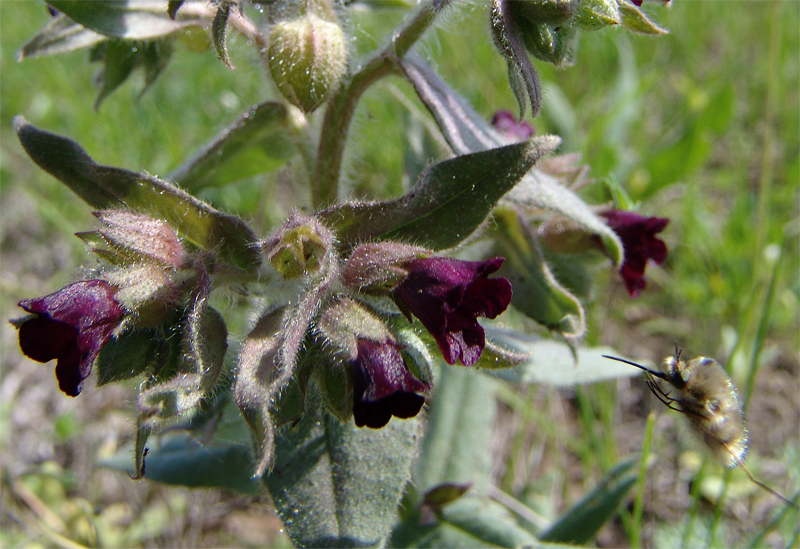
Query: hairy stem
{"points": [[342, 105]]}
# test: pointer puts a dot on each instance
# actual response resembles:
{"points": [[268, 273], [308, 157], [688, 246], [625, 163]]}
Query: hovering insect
{"points": [[707, 397]]}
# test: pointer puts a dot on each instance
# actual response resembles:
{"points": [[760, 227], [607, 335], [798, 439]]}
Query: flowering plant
{"points": [[363, 311]]}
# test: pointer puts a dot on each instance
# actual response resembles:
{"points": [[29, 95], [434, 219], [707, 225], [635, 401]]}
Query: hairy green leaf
{"points": [[448, 203], [536, 291], [186, 461], [256, 143], [456, 447], [105, 187], [466, 132], [129, 19], [581, 523], [554, 363], [336, 485], [470, 521], [60, 35]]}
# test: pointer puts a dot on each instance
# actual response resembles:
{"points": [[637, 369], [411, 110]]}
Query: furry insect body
{"points": [[705, 394]]}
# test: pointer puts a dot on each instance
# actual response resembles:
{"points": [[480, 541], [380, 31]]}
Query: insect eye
{"points": [[713, 405]]}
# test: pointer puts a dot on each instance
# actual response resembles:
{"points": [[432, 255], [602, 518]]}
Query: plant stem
{"points": [[342, 106]]}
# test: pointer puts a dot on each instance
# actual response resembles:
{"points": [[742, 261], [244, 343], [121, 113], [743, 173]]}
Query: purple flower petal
{"points": [[72, 326], [383, 386], [512, 130], [637, 233], [448, 295]]}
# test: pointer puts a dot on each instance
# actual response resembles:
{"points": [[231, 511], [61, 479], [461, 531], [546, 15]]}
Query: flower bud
{"points": [[298, 247], [144, 236], [307, 56], [552, 43], [543, 11], [379, 267]]}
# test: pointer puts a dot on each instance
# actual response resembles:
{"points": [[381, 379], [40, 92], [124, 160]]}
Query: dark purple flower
{"points": [[383, 386], [71, 326], [637, 233], [512, 130], [448, 295]]}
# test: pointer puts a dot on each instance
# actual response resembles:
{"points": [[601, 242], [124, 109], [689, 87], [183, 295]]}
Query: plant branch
{"points": [[342, 106]]}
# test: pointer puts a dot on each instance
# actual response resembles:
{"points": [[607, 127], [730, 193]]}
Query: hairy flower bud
{"points": [[307, 56], [147, 237], [543, 11], [552, 43], [379, 267], [298, 247]]}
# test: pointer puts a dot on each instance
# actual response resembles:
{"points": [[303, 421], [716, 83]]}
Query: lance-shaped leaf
{"points": [[450, 200], [60, 35], [184, 460], [463, 128], [470, 521], [536, 291], [121, 57], [466, 131], [105, 187], [336, 485], [554, 363], [581, 523], [129, 19], [258, 142], [457, 448]]}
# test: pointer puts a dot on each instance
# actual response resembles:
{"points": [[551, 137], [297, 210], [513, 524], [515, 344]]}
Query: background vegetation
{"points": [[700, 125]]}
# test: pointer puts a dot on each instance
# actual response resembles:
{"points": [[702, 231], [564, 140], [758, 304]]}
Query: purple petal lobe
{"points": [[72, 326], [448, 295], [383, 386]]}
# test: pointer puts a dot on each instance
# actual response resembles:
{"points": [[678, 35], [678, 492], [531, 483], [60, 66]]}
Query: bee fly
{"points": [[707, 397]]}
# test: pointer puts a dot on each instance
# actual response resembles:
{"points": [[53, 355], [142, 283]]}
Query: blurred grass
{"points": [[700, 125]]}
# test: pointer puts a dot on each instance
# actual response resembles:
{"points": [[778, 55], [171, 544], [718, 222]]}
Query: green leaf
{"points": [[536, 291], [553, 363], [119, 58], [336, 485], [450, 200], [258, 142], [456, 448], [60, 35], [122, 57], [130, 355], [581, 523], [185, 461], [129, 19], [218, 28], [105, 187], [634, 19], [466, 131], [470, 521]]}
